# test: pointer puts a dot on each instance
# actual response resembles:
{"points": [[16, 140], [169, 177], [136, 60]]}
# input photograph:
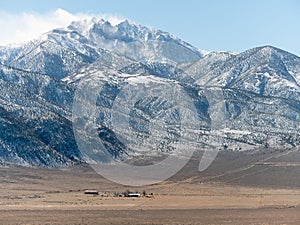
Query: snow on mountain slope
{"points": [[36, 105], [200, 68], [35, 120], [259, 89], [264, 70], [264, 118]]}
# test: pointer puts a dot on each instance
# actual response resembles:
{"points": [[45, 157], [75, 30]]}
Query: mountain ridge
{"points": [[39, 81]]}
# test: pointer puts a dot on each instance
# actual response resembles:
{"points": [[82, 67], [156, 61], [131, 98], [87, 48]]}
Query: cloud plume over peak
{"points": [[22, 27]]}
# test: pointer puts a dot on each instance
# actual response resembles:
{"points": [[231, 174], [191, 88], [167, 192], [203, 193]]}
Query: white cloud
{"points": [[20, 28]]}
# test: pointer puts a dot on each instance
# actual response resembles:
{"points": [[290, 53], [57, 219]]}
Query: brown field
{"points": [[257, 192], [31, 196]]}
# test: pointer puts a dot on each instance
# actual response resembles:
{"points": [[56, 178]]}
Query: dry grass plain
{"points": [[258, 187], [52, 196]]}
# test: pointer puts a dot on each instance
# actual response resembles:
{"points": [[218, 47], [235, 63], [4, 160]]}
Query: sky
{"points": [[213, 25]]}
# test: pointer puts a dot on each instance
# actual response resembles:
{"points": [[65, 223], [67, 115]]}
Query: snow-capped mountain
{"points": [[64, 50], [259, 91], [254, 116], [137, 42]]}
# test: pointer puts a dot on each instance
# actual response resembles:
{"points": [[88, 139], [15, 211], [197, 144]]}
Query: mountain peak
{"points": [[137, 39], [125, 23], [269, 49]]}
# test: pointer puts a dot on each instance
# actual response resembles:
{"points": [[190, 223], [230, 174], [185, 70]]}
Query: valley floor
{"points": [[52, 196]]}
